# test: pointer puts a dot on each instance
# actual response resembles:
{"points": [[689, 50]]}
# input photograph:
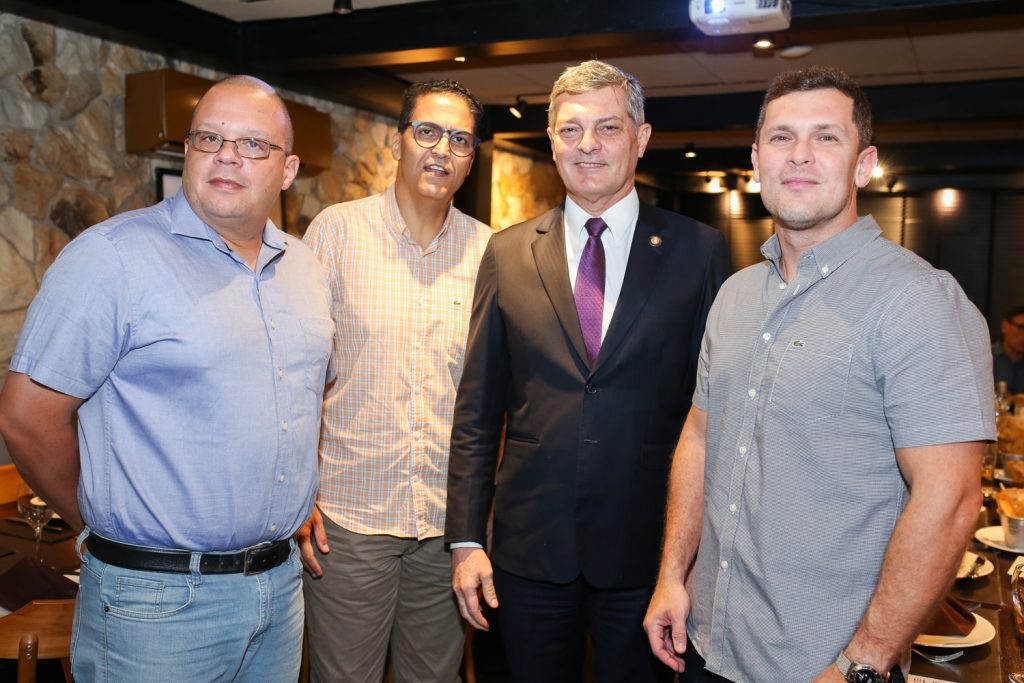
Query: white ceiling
{"points": [[932, 57]]}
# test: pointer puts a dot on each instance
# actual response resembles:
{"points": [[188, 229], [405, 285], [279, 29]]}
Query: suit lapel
{"points": [[549, 255], [642, 272]]}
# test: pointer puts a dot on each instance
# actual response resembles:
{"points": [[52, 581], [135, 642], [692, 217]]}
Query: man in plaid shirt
{"points": [[401, 267]]}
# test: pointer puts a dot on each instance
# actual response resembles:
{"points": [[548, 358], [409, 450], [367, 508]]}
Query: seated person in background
{"points": [[1008, 352]]}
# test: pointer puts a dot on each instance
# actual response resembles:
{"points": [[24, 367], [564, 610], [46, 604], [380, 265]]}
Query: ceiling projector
{"points": [[724, 17]]}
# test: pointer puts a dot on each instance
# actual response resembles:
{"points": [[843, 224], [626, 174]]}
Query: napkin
{"points": [[966, 565], [29, 579], [951, 619]]}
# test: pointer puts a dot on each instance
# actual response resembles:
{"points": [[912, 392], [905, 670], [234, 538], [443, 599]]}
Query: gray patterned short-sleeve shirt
{"points": [[809, 387]]}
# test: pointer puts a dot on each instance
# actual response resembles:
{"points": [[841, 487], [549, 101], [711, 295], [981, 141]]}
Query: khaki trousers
{"points": [[379, 591]]}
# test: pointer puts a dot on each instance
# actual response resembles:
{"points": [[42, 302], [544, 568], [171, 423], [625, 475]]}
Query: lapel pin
{"points": [[655, 241]]}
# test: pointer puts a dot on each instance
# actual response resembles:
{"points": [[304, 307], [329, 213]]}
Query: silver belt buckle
{"points": [[251, 555]]}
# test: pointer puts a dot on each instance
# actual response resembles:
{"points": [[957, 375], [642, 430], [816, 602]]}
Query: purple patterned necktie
{"points": [[589, 292]]}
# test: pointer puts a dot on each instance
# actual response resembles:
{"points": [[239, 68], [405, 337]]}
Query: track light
{"points": [[519, 108], [343, 6], [690, 151]]}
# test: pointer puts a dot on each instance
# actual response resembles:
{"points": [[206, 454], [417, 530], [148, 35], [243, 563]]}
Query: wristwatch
{"points": [[859, 673]]}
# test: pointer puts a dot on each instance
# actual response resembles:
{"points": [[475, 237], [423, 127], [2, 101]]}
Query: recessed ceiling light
{"points": [[795, 51], [460, 58]]}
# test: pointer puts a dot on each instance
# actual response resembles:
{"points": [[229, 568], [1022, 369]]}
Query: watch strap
{"points": [[843, 663]]}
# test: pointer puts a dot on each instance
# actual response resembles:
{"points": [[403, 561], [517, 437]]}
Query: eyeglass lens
{"points": [[250, 148], [460, 142]]}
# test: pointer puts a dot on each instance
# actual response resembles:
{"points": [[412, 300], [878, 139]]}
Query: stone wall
{"points": [[63, 165], [523, 185]]}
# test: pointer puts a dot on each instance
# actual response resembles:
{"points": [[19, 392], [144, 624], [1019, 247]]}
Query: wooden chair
{"points": [[39, 630], [9, 482]]}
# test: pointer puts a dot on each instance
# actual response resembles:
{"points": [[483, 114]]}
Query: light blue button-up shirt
{"points": [[202, 377]]}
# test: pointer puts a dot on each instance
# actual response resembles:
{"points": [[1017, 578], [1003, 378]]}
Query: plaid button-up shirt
{"points": [[402, 316]]}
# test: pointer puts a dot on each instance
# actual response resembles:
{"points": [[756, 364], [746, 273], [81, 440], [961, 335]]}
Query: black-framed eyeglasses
{"points": [[250, 148], [462, 143]]}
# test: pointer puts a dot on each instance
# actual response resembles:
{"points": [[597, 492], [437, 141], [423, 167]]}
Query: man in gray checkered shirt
{"points": [[830, 465]]}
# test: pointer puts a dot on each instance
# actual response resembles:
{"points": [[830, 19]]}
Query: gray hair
{"points": [[593, 75]]}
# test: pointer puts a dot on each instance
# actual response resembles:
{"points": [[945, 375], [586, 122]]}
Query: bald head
{"points": [[252, 85]]}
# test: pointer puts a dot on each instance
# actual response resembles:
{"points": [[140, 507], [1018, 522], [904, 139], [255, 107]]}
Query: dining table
{"points": [[57, 548], [989, 596]]}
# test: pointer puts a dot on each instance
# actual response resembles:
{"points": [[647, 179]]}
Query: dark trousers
{"points": [[544, 628]]}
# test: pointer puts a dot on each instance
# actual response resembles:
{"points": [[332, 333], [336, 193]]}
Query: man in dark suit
{"points": [[583, 341]]}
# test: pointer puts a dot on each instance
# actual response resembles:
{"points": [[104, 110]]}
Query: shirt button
{"points": [[782, 285], [752, 393], [273, 325], [743, 450], [766, 336], [732, 507], [273, 527], [284, 426], [280, 373], [725, 564], [591, 389], [280, 478], [824, 270]]}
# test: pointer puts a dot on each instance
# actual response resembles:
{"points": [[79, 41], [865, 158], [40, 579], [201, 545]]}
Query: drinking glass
{"points": [[35, 510]]}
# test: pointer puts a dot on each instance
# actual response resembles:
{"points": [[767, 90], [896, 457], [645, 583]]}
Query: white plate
{"points": [[982, 632], [992, 536], [986, 569]]}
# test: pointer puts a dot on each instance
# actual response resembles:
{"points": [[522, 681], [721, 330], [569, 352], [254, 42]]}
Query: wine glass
{"points": [[35, 510]]}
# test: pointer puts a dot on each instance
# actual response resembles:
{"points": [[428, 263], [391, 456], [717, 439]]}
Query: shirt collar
{"points": [[618, 217], [834, 251], [185, 222], [396, 225]]}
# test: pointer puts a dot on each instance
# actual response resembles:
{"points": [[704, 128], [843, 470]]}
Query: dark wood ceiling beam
{"points": [[168, 27], [438, 31]]}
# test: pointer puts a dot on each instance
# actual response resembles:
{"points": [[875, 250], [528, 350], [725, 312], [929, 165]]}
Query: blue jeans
{"points": [[133, 625]]}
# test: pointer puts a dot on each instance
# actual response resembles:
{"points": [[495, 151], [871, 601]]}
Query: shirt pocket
{"points": [[811, 380], [318, 343]]}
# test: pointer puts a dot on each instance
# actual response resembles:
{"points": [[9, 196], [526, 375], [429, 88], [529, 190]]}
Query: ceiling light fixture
{"points": [[518, 108], [691, 151], [764, 43], [878, 171], [343, 6], [795, 51], [460, 59]]}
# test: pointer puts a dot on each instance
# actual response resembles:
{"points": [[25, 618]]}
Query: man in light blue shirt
{"points": [[191, 339]]}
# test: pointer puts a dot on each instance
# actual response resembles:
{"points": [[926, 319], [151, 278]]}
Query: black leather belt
{"points": [[253, 560]]}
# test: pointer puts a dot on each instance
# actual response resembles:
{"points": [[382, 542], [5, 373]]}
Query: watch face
{"points": [[863, 673]]}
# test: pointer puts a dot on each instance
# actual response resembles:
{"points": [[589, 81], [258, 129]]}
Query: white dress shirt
{"points": [[616, 239]]}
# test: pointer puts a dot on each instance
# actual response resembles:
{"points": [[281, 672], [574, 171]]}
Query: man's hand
{"points": [[314, 527], [665, 623], [830, 675], [472, 576]]}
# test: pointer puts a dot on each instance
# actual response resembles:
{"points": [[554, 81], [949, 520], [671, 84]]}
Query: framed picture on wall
{"points": [[168, 182]]}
